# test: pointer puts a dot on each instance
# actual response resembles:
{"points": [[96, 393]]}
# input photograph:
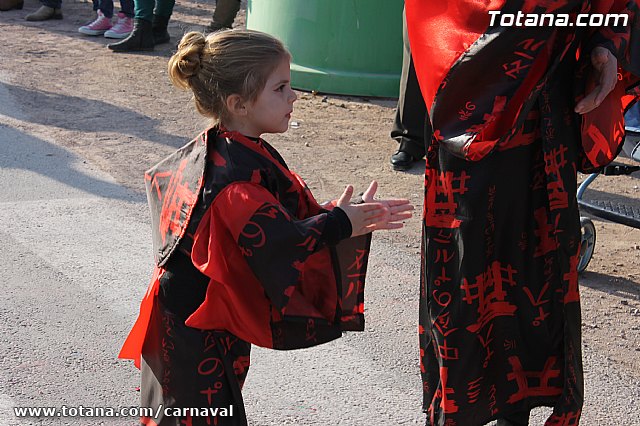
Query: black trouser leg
{"points": [[409, 124]]}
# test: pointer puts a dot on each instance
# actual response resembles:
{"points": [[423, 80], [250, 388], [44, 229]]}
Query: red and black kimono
{"points": [[500, 307], [244, 254]]}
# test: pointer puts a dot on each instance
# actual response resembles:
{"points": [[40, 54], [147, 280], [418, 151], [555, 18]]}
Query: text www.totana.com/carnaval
{"points": [[82, 411], [522, 19]]}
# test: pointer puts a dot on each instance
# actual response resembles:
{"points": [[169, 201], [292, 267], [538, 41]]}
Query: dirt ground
{"points": [[120, 113]]}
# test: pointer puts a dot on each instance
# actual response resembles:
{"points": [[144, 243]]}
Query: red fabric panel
{"points": [[235, 300], [132, 348], [441, 31], [603, 128]]}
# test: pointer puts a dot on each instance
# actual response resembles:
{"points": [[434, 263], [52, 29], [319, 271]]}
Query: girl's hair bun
{"points": [[186, 62]]}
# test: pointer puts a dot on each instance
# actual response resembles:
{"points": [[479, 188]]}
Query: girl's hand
{"points": [[397, 209], [373, 214], [607, 67], [362, 216]]}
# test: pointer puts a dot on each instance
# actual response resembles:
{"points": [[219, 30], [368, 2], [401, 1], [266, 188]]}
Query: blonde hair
{"points": [[224, 63]]}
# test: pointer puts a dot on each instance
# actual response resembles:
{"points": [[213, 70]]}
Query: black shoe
{"points": [[140, 39], [159, 26], [402, 160]]}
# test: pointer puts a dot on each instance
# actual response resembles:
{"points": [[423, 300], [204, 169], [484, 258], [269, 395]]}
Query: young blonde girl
{"points": [[244, 254]]}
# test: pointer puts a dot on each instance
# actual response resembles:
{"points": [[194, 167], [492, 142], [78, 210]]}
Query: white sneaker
{"points": [[97, 27], [122, 28]]}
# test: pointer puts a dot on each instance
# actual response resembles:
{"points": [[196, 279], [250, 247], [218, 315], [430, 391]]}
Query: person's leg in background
{"points": [[409, 124], [224, 15], [124, 21], [6, 5], [102, 23], [50, 9], [161, 16], [141, 37]]}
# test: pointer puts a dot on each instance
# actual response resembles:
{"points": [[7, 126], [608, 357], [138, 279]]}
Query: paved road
{"points": [[75, 260]]}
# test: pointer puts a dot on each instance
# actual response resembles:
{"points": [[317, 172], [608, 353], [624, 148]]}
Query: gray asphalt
{"points": [[75, 260]]}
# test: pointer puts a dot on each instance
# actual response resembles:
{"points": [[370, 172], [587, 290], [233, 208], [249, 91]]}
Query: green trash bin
{"points": [[346, 47]]}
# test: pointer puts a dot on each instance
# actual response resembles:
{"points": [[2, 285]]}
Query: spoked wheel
{"points": [[587, 244]]}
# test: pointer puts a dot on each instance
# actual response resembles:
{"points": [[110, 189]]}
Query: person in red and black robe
{"points": [[500, 307], [243, 252]]}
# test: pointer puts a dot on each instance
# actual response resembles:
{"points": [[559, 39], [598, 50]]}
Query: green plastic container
{"points": [[346, 47]]}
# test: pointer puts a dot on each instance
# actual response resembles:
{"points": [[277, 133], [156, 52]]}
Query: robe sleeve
{"points": [[271, 240], [603, 128], [620, 39]]}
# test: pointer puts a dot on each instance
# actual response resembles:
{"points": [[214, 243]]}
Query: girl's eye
{"points": [[280, 88]]}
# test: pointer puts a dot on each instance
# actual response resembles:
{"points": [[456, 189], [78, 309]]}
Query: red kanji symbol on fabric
{"points": [[512, 69], [442, 324], [440, 205], [447, 352], [359, 260], [444, 236], [442, 255], [240, 365], [565, 419], [447, 404], [545, 233], [554, 161], [485, 341], [524, 378], [474, 390], [217, 386], [526, 49], [490, 294], [175, 200], [538, 302], [558, 197], [442, 278], [571, 277]]}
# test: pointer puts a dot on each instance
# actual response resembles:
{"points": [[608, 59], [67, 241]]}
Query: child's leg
{"points": [[126, 7], [183, 367], [161, 15], [106, 7], [143, 9], [164, 8], [224, 14], [102, 23], [141, 36]]}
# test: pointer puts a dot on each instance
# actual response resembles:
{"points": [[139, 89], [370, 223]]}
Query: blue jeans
{"points": [[106, 7]]}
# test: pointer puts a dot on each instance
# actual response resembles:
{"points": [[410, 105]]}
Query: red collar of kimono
{"points": [[258, 147]]}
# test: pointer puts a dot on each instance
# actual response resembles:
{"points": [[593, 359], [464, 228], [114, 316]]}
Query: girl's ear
{"points": [[236, 105]]}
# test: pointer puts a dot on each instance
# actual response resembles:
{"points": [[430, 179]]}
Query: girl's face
{"points": [[271, 111]]}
